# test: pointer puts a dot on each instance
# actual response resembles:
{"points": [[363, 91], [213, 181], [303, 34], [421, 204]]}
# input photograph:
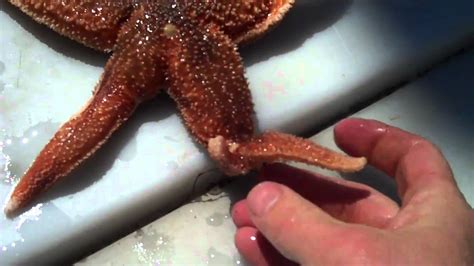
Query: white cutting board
{"points": [[324, 58]]}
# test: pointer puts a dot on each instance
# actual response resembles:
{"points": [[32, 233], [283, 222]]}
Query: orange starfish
{"points": [[188, 45]]}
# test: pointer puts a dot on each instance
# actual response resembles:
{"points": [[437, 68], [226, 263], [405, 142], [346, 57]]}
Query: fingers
{"points": [[287, 220], [345, 200], [256, 250], [415, 163], [241, 215]]}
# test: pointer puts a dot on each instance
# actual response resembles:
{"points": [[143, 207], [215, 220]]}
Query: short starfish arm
{"points": [[94, 23], [207, 80], [246, 20], [132, 75], [236, 18], [239, 158], [279, 9]]}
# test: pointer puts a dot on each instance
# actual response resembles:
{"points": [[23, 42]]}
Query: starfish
{"points": [[186, 46]]}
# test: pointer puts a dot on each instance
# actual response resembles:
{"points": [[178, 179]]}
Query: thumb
{"points": [[294, 226]]}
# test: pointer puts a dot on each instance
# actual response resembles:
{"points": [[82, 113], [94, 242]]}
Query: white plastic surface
{"points": [[320, 61]]}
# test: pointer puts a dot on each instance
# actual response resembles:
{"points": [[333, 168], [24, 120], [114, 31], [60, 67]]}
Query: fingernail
{"points": [[359, 126], [355, 135], [263, 197]]}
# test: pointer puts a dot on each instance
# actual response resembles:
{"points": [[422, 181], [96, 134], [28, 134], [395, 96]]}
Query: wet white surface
{"points": [[198, 233], [317, 64]]}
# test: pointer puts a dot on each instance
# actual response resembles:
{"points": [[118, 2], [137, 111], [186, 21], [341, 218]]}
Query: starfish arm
{"points": [[244, 21], [132, 75], [279, 8], [205, 70], [236, 18], [93, 23], [207, 81], [239, 158]]}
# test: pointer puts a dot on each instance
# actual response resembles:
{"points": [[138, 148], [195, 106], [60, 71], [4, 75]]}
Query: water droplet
{"points": [[216, 219], [153, 247], [238, 260], [215, 257], [31, 215]]}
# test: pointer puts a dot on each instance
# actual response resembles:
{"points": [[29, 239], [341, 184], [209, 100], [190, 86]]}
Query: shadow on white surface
{"points": [[97, 166], [306, 19]]}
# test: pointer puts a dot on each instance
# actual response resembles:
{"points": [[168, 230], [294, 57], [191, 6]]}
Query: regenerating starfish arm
{"points": [[276, 147]]}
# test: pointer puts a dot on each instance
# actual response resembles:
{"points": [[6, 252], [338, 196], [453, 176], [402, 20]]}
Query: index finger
{"points": [[415, 163]]}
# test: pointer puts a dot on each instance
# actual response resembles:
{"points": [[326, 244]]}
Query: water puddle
{"points": [[33, 227], [153, 247], [17, 153], [216, 219]]}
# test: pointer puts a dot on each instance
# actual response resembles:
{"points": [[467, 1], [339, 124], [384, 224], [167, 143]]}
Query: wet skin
{"points": [[296, 216]]}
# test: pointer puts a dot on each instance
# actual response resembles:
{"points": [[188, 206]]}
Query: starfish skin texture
{"points": [[187, 46]]}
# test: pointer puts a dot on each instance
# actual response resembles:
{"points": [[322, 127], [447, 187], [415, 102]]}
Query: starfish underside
{"points": [[188, 46]]}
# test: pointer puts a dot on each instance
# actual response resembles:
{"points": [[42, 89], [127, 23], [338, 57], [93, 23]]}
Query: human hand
{"points": [[333, 221]]}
